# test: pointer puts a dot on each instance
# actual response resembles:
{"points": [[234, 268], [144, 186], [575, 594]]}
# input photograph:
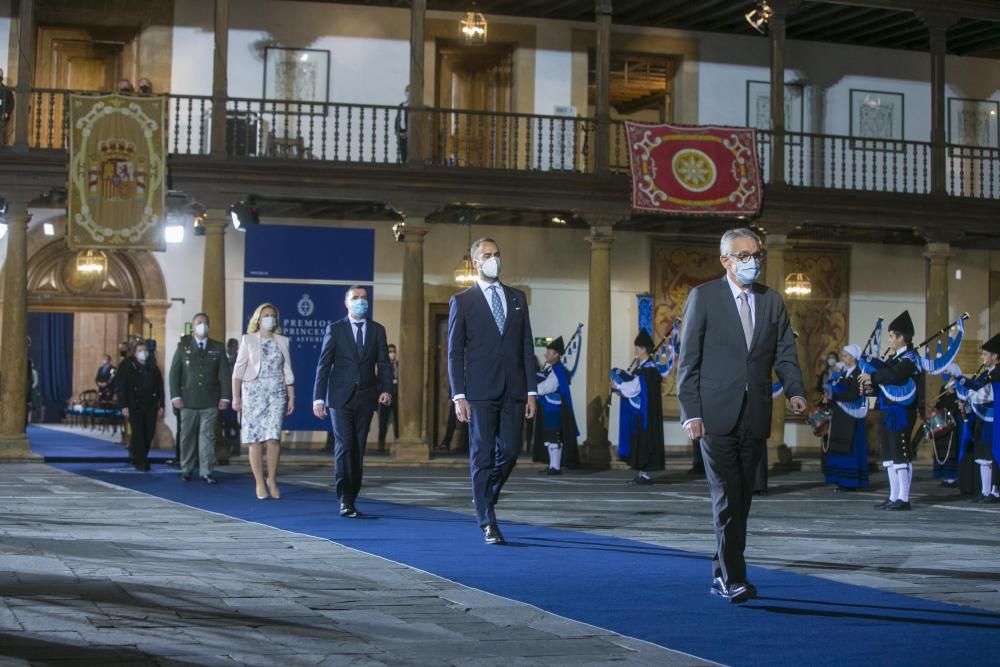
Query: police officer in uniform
{"points": [[199, 388]]}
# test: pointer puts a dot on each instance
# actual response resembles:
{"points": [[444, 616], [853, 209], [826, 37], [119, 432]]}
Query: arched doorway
{"points": [[130, 299]]}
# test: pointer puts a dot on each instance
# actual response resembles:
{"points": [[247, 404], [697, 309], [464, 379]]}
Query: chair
{"points": [[89, 400]]}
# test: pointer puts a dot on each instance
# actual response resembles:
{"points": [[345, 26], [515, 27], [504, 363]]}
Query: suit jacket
{"points": [[716, 369], [247, 366], [343, 376], [200, 377], [482, 362]]}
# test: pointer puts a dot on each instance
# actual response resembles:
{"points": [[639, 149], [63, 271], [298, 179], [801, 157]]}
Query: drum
{"points": [[938, 423], [819, 420]]}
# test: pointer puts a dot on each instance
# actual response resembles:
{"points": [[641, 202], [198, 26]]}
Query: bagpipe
{"points": [[967, 388], [666, 353], [619, 376]]}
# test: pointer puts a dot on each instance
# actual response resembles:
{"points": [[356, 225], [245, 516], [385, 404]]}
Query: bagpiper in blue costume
{"points": [[555, 437], [846, 459], [979, 395], [640, 439], [898, 387]]}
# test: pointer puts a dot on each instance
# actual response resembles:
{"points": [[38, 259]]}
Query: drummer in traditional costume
{"points": [[979, 397], [897, 386], [640, 435], [940, 425], [845, 462], [556, 432]]}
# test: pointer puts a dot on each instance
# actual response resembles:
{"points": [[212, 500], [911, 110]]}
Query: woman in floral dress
{"points": [[263, 394]]}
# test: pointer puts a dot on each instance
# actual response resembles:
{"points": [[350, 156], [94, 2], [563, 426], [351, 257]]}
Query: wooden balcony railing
{"points": [[367, 133]]}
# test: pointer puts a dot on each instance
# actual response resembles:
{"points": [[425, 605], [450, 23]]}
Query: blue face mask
{"points": [[747, 272], [359, 307]]}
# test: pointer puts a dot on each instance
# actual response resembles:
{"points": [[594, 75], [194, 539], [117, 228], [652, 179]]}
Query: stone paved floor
{"points": [[95, 574]]}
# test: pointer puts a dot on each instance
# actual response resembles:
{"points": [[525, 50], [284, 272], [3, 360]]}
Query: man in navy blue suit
{"points": [[347, 382], [491, 365]]}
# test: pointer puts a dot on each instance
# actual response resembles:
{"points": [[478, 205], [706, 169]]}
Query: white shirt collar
{"points": [[485, 286], [736, 290], [848, 371]]}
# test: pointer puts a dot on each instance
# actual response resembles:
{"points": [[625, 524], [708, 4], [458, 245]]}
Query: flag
{"points": [[117, 171], [694, 170]]}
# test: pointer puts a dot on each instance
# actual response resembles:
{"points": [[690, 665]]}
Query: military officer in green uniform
{"points": [[199, 388]]}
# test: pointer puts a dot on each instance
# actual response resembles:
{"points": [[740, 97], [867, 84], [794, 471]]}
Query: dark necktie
{"points": [[201, 345], [359, 338]]}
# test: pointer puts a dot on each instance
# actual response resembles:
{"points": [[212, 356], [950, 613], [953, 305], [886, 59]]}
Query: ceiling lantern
{"points": [[474, 27]]}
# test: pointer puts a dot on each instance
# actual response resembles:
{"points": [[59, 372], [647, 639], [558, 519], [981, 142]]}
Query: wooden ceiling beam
{"points": [[854, 31], [989, 43], [987, 10], [656, 10]]}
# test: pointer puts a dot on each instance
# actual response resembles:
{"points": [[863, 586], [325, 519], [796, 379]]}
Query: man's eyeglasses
{"points": [[744, 256]]}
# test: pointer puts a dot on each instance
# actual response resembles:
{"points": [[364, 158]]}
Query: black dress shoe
{"points": [[210, 480], [553, 471], [990, 500], [492, 535], [639, 480], [882, 505], [752, 589], [740, 592], [544, 471], [348, 511], [186, 476], [898, 506]]}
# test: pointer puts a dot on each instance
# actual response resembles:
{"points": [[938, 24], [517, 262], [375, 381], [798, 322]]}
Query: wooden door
{"points": [[474, 79], [73, 59]]}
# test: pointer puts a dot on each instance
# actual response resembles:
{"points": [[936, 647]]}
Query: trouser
{"points": [[385, 413], [350, 432], [495, 433], [143, 423], [198, 439], [731, 462]]}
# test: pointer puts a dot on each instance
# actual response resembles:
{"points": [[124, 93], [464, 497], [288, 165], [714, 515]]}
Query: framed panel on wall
{"points": [[877, 120], [973, 123], [297, 75], [759, 107]]}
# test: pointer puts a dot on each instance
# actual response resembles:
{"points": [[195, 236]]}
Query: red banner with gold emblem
{"points": [[117, 172], [694, 170]]}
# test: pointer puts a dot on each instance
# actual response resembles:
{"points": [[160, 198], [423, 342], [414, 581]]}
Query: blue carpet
{"points": [[56, 446], [640, 590]]}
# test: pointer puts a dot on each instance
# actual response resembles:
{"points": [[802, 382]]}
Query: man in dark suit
{"points": [[347, 382], [735, 332], [390, 411], [492, 371]]}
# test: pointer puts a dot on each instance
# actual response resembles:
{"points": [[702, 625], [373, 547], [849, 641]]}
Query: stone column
{"points": [[776, 36], [938, 24], [220, 78], [14, 351], [602, 148], [213, 287], [596, 451], [937, 253], [416, 135], [774, 277], [411, 445], [25, 73]]}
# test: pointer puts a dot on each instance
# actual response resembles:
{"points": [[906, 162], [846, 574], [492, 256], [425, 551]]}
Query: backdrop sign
{"points": [[305, 273], [708, 171], [304, 313], [320, 253], [117, 165]]}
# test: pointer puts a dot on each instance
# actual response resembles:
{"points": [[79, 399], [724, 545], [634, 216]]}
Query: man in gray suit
{"points": [[735, 332]]}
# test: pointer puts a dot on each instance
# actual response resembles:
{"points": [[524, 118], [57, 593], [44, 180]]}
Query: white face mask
{"points": [[267, 323], [201, 329], [491, 268], [141, 356]]}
